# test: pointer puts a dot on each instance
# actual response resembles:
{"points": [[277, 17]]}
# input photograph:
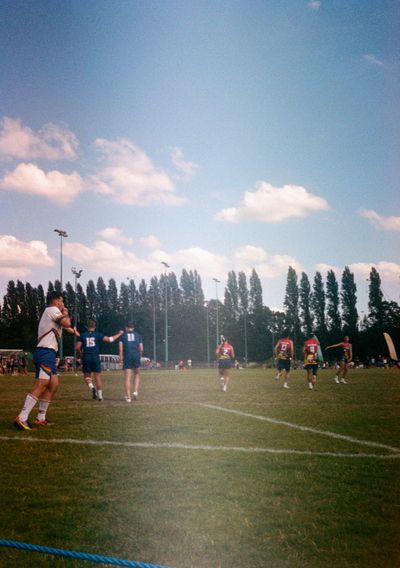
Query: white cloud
{"points": [[113, 260], [388, 271], [325, 268], [314, 5], [150, 242], [267, 266], [129, 176], [18, 258], [271, 204], [54, 185], [52, 142], [188, 169], [379, 222], [204, 261], [115, 235], [370, 58]]}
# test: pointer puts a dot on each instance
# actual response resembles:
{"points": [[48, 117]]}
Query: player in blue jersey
{"points": [[89, 346], [54, 319], [130, 347]]}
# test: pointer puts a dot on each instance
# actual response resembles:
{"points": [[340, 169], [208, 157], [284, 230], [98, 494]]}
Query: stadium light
{"points": [[216, 298], [206, 304], [166, 314], [62, 234], [77, 274], [245, 336], [154, 330]]}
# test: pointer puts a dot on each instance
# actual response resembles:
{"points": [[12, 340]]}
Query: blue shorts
{"points": [[132, 361], [225, 364], [44, 359], [284, 365], [91, 364]]}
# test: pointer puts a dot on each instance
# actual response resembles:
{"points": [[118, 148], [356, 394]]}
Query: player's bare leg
{"points": [[136, 382], [339, 372], [310, 379], [127, 382], [344, 373], [89, 381], [99, 385], [285, 379], [226, 379], [43, 391]]}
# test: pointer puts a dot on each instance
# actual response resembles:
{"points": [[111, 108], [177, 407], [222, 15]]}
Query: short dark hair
{"points": [[53, 295], [129, 324]]}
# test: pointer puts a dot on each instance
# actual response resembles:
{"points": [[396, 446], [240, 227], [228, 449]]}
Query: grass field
{"points": [[281, 480]]}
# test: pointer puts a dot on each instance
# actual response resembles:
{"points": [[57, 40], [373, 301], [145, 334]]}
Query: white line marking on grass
{"points": [[305, 428], [176, 446]]}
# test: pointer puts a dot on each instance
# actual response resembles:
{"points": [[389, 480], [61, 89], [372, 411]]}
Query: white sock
{"points": [[30, 402], [100, 393], [43, 406], [91, 386]]}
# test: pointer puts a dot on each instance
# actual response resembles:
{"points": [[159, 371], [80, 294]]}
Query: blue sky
{"points": [[212, 135]]}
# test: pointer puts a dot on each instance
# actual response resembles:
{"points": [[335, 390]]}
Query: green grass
{"points": [[204, 508]]}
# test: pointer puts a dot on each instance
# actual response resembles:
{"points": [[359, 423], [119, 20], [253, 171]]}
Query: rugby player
{"points": [[54, 319], [284, 351], [130, 347], [89, 346]]}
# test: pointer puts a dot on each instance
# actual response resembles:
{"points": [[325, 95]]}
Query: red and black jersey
{"points": [[225, 351], [284, 348], [310, 350], [346, 350]]}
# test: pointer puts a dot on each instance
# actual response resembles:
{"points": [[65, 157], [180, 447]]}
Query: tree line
{"points": [[328, 309]]}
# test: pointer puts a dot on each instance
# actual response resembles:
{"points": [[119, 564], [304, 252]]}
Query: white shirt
{"points": [[49, 332]]}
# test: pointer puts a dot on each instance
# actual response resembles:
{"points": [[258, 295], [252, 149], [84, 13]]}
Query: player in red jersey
{"points": [[345, 359], [284, 351], [310, 351], [225, 355]]}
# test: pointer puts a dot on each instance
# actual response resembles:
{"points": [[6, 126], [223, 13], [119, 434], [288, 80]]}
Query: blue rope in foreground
{"points": [[80, 555]]}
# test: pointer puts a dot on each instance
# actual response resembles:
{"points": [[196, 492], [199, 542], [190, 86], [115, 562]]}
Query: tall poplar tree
{"points": [[291, 304], [318, 305], [376, 302], [305, 304], [332, 306], [349, 303]]}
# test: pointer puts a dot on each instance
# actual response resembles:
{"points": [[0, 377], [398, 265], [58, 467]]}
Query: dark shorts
{"points": [[91, 364], [132, 361], [45, 362], [225, 364], [283, 365], [312, 367]]}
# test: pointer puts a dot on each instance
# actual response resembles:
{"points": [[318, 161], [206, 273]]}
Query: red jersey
{"points": [[225, 351], [284, 348], [310, 350], [346, 350]]}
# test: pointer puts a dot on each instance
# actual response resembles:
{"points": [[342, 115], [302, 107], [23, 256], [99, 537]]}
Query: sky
{"points": [[211, 135]]}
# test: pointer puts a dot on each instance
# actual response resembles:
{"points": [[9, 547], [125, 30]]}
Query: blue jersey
{"points": [[131, 341], [91, 341]]}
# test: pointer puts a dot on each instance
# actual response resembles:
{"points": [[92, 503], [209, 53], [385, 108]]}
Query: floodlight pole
{"points": [[154, 330], [62, 234], [216, 298], [208, 333], [245, 336], [77, 274], [166, 314]]}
